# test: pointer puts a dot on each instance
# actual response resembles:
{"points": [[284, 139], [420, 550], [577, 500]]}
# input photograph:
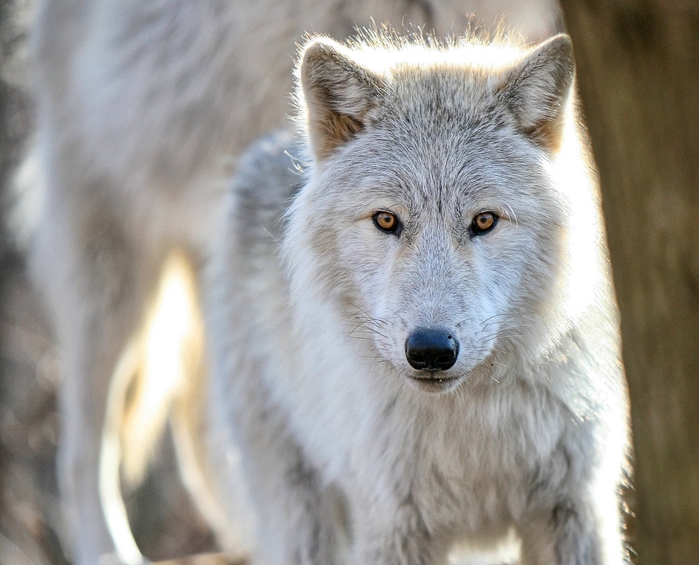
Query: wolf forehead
{"points": [[421, 112], [415, 77], [423, 89]]}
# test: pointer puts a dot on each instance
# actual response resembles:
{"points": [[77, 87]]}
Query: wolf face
{"points": [[436, 220]]}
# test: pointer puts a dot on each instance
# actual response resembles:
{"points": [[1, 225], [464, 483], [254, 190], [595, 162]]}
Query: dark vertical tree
{"points": [[638, 76]]}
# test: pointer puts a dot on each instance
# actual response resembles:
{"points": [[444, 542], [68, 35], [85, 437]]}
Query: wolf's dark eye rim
{"points": [[483, 222], [387, 222]]}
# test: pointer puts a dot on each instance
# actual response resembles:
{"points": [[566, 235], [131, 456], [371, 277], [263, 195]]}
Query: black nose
{"points": [[431, 349]]}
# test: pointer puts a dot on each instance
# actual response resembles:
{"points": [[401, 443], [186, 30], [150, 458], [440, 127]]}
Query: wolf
{"points": [[413, 334], [142, 108]]}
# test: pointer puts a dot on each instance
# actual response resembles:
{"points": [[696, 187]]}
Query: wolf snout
{"points": [[431, 349]]}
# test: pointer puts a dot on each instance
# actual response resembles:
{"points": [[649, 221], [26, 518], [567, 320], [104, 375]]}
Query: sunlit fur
{"points": [[347, 455], [142, 107]]}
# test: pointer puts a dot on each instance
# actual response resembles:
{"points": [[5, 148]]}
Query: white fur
{"points": [[142, 108], [350, 453]]}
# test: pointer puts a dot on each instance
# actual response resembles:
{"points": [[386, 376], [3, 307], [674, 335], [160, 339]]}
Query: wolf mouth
{"points": [[435, 384]]}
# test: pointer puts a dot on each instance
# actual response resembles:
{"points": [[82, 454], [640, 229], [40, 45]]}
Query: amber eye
{"points": [[483, 223], [387, 222]]}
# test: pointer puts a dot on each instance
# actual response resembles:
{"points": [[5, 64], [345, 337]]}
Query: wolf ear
{"points": [[537, 89], [338, 94]]}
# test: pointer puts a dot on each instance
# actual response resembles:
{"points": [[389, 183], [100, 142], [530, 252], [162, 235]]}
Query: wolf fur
{"points": [[142, 107], [352, 454]]}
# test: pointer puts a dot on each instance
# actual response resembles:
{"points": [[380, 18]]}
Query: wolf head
{"points": [[450, 215]]}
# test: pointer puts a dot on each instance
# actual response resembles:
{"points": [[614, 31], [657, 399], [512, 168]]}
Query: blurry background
{"points": [[638, 75], [164, 521]]}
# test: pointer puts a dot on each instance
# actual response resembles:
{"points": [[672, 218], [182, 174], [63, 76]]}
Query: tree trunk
{"points": [[638, 75]]}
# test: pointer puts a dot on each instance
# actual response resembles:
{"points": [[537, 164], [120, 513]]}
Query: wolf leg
{"points": [[96, 288], [297, 520], [574, 532], [195, 462], [398, 538]]}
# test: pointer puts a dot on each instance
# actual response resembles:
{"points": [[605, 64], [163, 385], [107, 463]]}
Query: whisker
{"points": [[399, 317], [274, 239], [514, 216], [503, 332]]}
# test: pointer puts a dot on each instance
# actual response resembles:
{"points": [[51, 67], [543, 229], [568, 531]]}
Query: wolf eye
{"points": [[387, 222], [483, 223]]}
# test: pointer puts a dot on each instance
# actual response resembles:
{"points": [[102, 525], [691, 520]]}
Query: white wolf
{"points": [[422, 347], [141, 105]]}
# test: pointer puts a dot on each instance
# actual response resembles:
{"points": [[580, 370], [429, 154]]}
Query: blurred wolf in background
{"points": [[414, 336], [141, 108]]}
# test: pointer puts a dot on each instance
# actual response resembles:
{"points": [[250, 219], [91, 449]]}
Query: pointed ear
{"points": [[537, 89], [338, 95]]}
